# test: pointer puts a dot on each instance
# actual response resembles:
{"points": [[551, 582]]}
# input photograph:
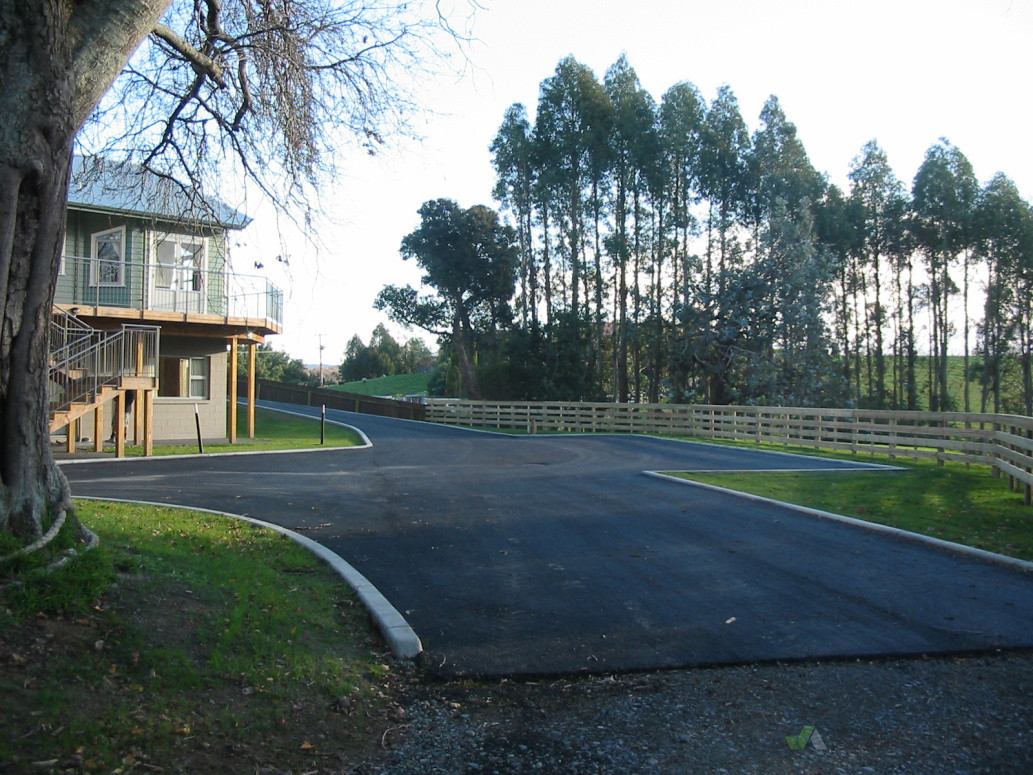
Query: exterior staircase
{"points": [[90, 368]]}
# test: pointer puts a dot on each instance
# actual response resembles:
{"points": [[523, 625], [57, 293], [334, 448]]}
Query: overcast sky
{"points": [[904, 72]]}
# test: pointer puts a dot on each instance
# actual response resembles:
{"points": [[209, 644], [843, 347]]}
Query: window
{"points": [[179, 262], [108, 262], [184, 377]]}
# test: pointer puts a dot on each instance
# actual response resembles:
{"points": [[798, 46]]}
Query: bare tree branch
{"points": [[202, 64]]}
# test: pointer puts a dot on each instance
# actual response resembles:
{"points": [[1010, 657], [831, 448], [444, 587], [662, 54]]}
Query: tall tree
{"points": [[724, 174], [943, 197], [570, 129], [874, 189], [470, 259], [514, 161], [634, 141]]}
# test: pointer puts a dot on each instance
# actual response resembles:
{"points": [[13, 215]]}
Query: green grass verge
{"points": [[967, 505], [207, 640], [398, 385], [273, 431]]}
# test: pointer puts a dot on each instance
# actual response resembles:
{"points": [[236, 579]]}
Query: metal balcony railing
{"points": [[167, 287]]}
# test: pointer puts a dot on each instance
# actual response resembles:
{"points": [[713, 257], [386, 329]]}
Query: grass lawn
{"points": [[399, 385], [187, 643], [967, 505], [273, 431]]}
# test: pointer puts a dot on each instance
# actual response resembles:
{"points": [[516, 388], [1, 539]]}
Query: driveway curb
{"points": [[939, 543], [402, 639]]}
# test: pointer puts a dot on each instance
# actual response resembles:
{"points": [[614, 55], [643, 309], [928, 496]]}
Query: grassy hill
{"points": [[1011, 384], [398, 385]]}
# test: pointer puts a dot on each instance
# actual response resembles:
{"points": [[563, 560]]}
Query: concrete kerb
{"points": [[399, 635], [939, 543], [366, 444]]}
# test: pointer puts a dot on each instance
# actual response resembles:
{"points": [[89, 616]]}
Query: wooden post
{"points": [[148, 422], [73, 433], [119, 424], [98, 428], [252, 358], [233, 391], [138, 418]]}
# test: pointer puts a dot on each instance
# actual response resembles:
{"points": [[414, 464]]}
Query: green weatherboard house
{"points": [[147, 314]]}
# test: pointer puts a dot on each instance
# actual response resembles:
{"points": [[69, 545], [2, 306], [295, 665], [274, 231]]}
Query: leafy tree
{"points": [[874, 191], [277, 366], [263, 85], [513, 158], [943, 195], [570, 132], [1003, 224], [470, 259], [724, 173], [636, 144], [417, 356], [784, 172]]}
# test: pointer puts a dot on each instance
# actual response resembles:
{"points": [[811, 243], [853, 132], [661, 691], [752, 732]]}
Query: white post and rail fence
{"points": [[1002, 442]]}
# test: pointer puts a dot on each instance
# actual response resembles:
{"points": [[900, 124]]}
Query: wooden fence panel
{"points": [[337, 399], [1003, 442]]}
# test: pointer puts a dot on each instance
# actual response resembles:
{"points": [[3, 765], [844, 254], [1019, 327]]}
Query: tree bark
{"points": [[57, 58]]}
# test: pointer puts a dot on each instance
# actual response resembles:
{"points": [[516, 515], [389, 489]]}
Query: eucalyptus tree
{"points": [[469, 259], [836, 233], [784, 172], [943, 197], [681, 113], [1003, 224], [514, 160], [680, 118], [264, 85], [724, 175], [873, 189], [634, 143], [570, 129]]}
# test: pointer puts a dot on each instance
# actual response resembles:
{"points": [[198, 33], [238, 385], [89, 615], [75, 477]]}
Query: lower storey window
{"points": [[184, 377]]}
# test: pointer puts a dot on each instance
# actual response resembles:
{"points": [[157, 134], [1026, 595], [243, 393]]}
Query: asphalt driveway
{"points": [[556, 554]]}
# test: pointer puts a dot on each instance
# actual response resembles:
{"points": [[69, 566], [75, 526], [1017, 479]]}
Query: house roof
{"points": [[102, 185]]}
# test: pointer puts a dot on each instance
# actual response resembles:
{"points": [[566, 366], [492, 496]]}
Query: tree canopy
{"points": [[469, 259], [700, 261]]}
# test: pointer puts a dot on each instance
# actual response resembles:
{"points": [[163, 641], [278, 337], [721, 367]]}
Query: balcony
{"points": [[164, 293]]}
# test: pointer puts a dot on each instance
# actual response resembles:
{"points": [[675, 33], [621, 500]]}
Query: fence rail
{"points": [[1003, 442], [335, 399]]}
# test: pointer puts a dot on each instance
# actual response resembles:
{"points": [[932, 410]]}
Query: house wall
{"points": [[174, 417], [74, 287]]}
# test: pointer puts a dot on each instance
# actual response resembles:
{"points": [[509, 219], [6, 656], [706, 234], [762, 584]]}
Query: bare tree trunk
{"points": [[57, 58], [467, 369], [35, 157]]}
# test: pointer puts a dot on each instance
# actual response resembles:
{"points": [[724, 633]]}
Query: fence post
{"points": [[1029, 487]]}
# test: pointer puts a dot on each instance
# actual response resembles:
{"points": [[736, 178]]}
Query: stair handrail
{"points": [[105, 360], [67, 331]]}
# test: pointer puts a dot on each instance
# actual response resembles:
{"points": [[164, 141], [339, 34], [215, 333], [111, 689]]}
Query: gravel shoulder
{"points": [[971, 714]]}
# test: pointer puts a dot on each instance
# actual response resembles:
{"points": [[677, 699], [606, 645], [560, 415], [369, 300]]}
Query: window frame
{"points": [[193, 382], [95, 259]]}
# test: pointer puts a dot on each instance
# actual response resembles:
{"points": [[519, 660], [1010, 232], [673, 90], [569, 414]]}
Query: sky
{"points": [[903, 72]]}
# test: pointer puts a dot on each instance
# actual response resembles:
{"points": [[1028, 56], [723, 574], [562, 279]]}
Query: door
{"points": [[178, 274]]}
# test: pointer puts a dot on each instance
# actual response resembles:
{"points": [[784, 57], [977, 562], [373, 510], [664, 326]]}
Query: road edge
{"points": [[400, 636], [939, 543]]}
